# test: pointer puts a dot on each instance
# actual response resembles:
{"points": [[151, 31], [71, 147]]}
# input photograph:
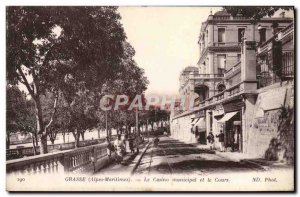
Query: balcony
{"points": [[233, 70], [283, 34], [196, 76], [226, 44], [205, 76], [268, 75]]}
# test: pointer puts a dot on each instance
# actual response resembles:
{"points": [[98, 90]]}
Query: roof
{"points": [[222, 13], [189, 69]]}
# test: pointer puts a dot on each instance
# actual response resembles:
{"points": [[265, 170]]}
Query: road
{"points": [[175, 157]]}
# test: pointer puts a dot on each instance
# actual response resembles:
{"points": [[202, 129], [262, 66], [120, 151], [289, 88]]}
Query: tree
{"points": [[46, 44], [61, 118], [255, 12], [20, 114], [82, 115], [129, 81]]}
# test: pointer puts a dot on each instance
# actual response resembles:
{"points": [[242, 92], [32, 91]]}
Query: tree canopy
{"points": [[255, 12], [67, 51]]}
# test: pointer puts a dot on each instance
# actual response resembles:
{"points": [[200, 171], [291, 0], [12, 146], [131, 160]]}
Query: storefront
{"points": [[199, 127], [231, 125]]}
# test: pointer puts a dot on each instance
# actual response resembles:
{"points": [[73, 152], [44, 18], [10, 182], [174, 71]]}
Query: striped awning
{"points": [[227, 117], [200, 124]]}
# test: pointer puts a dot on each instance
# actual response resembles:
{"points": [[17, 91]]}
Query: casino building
{"points": [[242, 83]]}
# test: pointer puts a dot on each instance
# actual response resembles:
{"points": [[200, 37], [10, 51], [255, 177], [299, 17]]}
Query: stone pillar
{"points": [[207, 119], [247, 118], [248, 66], [210, 66], [210, 39]]}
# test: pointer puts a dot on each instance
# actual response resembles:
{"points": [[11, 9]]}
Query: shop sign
{"points": [[233, 106], [200, 114]]}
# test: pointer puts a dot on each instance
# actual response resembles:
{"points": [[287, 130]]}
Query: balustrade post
{"points": [[226, 94], [66, 163]]}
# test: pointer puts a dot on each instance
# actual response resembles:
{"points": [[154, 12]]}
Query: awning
{"points": [[200, 123], [194, 121], [227, 116]]}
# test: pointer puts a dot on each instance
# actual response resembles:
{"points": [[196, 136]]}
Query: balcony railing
{"points": [[266, 46], [207, 75], [267, 75], [235, 68], [222, 17], [226, 44], [226, 94]]}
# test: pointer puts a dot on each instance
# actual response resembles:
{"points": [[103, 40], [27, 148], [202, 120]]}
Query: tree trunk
{"points": [[76, 137], [40, 126], [33, 145], [82, 135], [36, 139], [98, 129], [77, 140], [7, 141], [43, 147], [64, 136]]}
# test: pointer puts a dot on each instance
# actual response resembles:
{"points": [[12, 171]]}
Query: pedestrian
{"points": [[131, 144], [119, 147], [109, 148], [211, 140], [221, 140]]}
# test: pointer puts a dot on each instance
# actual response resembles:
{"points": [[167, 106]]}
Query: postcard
{"points": [[150, 98]]}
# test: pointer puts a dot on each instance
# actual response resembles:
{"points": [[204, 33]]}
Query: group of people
{"points": [[119, 148], [233, 140]]}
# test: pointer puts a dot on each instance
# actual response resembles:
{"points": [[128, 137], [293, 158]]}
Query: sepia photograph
{"points": [[150, 98]]}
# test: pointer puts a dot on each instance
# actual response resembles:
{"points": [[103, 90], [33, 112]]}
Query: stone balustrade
{"points": [[29, 151], [78, 160]]}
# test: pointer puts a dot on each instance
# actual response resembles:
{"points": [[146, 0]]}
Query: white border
{"points": [[5, 3]]}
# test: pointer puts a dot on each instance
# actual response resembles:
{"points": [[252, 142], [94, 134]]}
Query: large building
{"points": [[243, 63]]}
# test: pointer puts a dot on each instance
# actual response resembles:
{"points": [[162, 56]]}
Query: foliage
{"points": [[62, 49], [255, 12]]}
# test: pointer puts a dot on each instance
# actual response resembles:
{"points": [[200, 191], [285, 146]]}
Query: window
{"points": [[241, 32], [262, 35], [221, 35], [221, 64]]}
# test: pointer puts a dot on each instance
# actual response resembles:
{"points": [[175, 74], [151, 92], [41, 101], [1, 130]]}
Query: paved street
{"points": [[127, 165], [175, 157]]}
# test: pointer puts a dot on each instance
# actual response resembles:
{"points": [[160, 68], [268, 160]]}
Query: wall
{"points": [[271, 131], [231, 31], [233, 80], [181, 129]]}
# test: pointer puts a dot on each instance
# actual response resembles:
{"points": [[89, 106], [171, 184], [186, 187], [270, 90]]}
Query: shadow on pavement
{"points": [[210, 165]]}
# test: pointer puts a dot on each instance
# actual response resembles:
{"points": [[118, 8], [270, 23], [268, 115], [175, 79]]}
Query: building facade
{"points": [[242, 62]]}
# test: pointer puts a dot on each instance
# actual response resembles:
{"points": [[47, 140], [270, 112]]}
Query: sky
{"points": [[165, 40]]}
